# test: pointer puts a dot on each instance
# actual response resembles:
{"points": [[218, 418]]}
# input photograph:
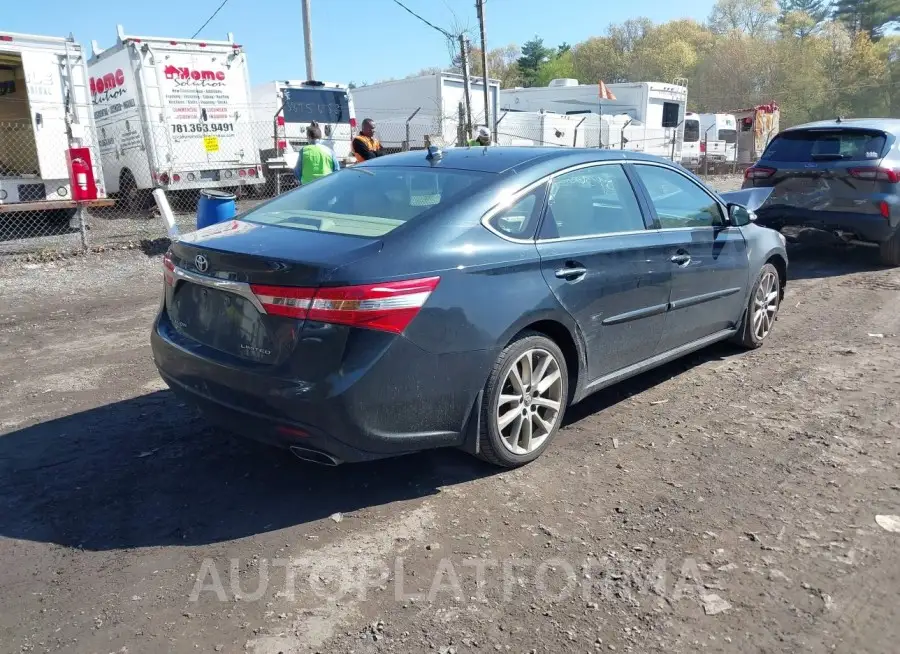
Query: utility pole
{"points": [[479, 5], [307, 41], [464, 54]]}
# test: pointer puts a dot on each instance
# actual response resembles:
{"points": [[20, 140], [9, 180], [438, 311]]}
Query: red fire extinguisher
{"points": [[81, 174]]}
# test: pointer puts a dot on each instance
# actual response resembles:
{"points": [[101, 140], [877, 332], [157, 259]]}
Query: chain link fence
{"points": [[39, 217]]}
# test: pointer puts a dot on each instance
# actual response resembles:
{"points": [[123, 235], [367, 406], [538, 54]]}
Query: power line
{"points": [[431, 25], [224, 2]]}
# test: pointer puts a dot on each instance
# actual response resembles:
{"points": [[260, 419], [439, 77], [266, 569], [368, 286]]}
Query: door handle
{"points": [[571, 273], [681, 259]]}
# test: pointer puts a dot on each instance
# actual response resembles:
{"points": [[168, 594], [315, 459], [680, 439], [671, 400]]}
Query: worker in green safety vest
{"points": [[482, 137], [315, 160]]}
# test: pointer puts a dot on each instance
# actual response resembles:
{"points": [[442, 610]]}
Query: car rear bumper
{"points": [[402, 400], [873, 228]]}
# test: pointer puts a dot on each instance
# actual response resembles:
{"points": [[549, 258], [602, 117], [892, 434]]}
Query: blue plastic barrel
{"points": [[215, 207]]}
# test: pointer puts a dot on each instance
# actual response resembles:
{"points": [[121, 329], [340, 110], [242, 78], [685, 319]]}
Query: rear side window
{"points": [[521, 218], [827, 145], [728, 135], [370, 202], [691, 131], [591, 202]]}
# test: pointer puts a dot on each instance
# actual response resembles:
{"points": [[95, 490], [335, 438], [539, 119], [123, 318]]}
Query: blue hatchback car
{"points": [[463, 299]]}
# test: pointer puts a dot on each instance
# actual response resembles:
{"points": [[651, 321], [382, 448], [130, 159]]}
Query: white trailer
{"points": [[282, 110], [657, 109], [44, 110], [428, 105], [173, 114]]}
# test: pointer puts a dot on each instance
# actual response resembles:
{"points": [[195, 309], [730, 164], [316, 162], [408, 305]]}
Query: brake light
{"points": [[702, 146], [163, 178], [280, 121], [4, 37], [759, 172], [875, 174], [282, 145], [287, 301], [168, 270], [176, 177], [885, 210], [242, 173], [353, 122], [251, 172], [388, 306]]}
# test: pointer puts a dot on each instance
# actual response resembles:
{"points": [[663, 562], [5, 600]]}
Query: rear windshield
{"points": [[691, 131], [826, 145], [728, 135], [370, 202], [320, 105]]}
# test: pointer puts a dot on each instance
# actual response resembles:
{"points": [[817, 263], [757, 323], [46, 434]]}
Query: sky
{"points": [[362, 41]]}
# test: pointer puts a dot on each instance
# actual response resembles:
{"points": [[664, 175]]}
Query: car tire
{"points": [[517, 431], [762, 309], [134, 199], [890, 250]]}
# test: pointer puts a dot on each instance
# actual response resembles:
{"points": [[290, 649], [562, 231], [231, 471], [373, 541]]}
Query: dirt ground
{"points": [[724, 503]]}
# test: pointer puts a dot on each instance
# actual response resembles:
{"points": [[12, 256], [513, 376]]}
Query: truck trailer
{"points": [[408, 110], [657, 109], [173, 114], [756, 126], [47, 134]]}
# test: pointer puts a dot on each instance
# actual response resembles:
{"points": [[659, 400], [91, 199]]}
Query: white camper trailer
{"points": [[174, 114], [45, 110], [422, 106], [657, 109]]}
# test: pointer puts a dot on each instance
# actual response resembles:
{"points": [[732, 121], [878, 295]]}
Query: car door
{"points": [[707, 256], [604, 265]]}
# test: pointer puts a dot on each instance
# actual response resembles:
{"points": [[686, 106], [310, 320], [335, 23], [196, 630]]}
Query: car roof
{"points": [[499, 159], [891, 125]]}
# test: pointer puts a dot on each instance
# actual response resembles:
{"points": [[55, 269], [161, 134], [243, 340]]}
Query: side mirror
{"points": [[740, 215]]}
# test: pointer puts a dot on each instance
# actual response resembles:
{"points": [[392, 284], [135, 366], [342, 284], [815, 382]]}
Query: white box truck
{"points": [[428, 104], [45, 109], [657, 109], [282, 110], [173, 114]]}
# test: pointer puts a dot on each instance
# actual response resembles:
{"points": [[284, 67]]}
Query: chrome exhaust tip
{"points": [[314, 456]]}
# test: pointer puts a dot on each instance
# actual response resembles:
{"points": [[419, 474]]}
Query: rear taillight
{"points": [[163, 178], [252, 172], [875, 174], [4, 37], [242, 173], [389, 306], [168, 270], [353, 123], [702, 146], [176, 177], [282, 145], [885, 210], [280, 121], [759, 172]]}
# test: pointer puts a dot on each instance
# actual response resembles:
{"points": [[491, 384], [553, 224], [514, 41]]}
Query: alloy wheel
{"points": [[530, 401], [765, 305]]}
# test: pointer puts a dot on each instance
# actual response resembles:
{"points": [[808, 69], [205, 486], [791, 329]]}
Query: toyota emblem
{"points": [[201, 263]]}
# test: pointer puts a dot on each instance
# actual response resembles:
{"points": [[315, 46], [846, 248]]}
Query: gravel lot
{"points": [[724, 503]]}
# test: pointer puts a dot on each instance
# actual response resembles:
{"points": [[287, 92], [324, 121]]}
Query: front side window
{"points": [[591, 202], [678, 201], [366, 201]]}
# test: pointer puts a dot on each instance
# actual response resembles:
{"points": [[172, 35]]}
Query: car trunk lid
{"points": [[222, 278], [827, 169]]}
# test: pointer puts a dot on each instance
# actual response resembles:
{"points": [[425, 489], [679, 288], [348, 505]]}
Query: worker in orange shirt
{"points": [[365, 145]]}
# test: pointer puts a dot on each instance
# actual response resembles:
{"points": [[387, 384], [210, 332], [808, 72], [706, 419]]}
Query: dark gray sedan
{"points": [[463, 299]]}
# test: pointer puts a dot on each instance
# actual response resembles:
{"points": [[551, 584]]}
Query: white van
{"points": [[173, 113], [715, 129], [44, 110]]}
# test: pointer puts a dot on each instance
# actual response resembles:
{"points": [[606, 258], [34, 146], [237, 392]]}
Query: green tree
{"points": [[870, 16], [534, 53], [561, 66], [802, 17], [752, 17], [599, 59]]}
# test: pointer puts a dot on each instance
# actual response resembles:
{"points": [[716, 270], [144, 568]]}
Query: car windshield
{"points": [[824, 145], [728, 135], [691, 131], [369, 202]]}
